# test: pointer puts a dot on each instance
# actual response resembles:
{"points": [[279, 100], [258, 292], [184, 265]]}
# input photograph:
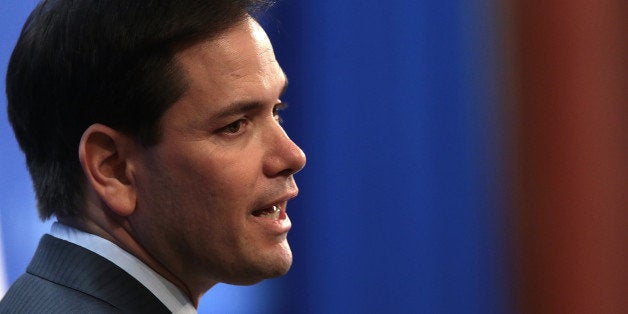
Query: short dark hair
{"points": [[82, 62]]}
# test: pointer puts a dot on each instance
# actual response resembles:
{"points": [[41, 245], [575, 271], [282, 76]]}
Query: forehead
{"points": [[237, 67], [241, 54]]}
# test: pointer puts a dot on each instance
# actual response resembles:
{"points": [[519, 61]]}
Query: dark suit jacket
{"points": [[66, 278]]}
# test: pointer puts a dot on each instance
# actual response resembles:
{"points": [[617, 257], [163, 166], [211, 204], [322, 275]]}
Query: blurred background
{"points": [[463, 157]]}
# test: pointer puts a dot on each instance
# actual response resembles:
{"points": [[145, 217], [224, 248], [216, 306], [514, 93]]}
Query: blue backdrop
{"points": [[399, 210]]}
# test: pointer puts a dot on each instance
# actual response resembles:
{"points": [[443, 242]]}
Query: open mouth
{"points": [[268, 213]]}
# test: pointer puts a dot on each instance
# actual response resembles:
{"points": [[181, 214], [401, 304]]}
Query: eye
{"points": [[277, 109], [233, 128]]}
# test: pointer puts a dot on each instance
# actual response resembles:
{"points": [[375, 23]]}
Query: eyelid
{"points": [[279, 107], [242, 124]]}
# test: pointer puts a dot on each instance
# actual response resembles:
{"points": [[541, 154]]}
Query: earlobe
{"points": [[104, 155]]}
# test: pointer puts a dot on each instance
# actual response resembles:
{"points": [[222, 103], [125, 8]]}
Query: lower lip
{"points": [[277, 226]]}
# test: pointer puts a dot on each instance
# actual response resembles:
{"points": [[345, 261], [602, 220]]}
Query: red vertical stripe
{"points": [[571, 86]]}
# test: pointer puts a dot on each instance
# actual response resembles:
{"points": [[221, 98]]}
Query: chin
{"points": [[265, 267], [283, 261], [281, 269]]}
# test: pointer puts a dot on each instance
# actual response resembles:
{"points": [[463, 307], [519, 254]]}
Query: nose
{"points": [[284, 157]]}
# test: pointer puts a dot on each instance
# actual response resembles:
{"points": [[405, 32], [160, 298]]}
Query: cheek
{"points": [[216, 190], [215, 193], [227, 175]]}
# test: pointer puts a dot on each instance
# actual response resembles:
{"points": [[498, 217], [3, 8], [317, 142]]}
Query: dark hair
{"points": [[77, 63]]}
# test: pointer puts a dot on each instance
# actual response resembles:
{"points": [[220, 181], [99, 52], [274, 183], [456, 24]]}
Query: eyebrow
{"points": [[245, 106]]}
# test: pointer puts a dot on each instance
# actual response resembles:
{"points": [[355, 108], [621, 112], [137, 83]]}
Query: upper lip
{"points": [[280, 201]]}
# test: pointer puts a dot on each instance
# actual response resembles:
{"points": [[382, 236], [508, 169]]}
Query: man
{"points": [[151, 131]]}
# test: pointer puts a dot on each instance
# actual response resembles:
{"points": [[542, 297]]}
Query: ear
{"points": [[104, 154]]}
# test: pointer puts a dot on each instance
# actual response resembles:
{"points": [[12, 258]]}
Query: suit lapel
{"points": [[75, 267]]}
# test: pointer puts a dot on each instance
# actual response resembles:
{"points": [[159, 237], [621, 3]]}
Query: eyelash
{"points": [[277, 109], [229, 129], [237, 124]]}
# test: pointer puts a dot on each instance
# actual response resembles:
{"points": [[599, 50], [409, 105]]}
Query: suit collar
{"points": [[75, 267]]}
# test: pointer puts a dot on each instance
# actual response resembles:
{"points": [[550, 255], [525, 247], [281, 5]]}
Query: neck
{"points": [[116, 230]]}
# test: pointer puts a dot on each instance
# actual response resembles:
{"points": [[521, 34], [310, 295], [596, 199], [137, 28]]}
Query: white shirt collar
{"points": [[163, 289]]}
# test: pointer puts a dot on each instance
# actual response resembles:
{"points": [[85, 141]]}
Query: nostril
{"points": [[286, 172]]}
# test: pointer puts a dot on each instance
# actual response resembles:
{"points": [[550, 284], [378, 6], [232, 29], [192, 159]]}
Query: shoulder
{"points": [[32, 294], [65, 278]]}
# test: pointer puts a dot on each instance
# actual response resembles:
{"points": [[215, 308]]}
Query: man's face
{"points": [[211, 197]]}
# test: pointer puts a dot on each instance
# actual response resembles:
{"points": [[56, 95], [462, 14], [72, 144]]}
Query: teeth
{"points": [[273, 213], [268, 213]]}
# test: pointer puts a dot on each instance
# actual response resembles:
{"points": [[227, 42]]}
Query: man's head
{"points": [[178, 153], [100, 61], [214, 190]]}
